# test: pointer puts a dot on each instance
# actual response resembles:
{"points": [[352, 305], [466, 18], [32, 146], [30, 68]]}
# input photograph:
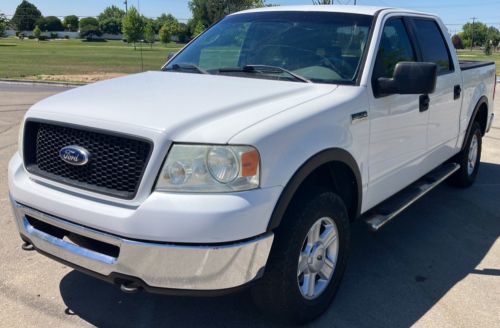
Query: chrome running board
{"points": [[387, 210]]}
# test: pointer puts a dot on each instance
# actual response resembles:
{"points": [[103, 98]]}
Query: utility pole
{"points": [[126, 9], [472, 41]]}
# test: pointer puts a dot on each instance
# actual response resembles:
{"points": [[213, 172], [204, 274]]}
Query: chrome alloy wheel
{"points": [[318, 258], [472, 155]]}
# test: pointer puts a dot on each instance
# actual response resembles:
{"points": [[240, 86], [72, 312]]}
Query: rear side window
{"points": [[433, 46]]}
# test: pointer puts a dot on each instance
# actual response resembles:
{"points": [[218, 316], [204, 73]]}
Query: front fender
{"points": [[291, 142]]}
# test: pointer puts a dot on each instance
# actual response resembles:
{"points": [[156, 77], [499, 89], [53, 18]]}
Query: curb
{"points": [[45, 83]]}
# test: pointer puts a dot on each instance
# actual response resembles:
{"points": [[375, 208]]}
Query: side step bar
{"points": [[387, 210]]}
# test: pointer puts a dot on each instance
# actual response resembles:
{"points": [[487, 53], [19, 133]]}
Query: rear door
{"points": [[445, 105]]}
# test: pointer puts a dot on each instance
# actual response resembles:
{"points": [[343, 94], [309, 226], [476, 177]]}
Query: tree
{"points": [[3, 19], [3, 27], [321, 2], [165, 34], [25, 16], [42, 24], [89, 27], [53, 23], [457, 42], [161, 20], [132, 26], [111, 26], [70, 23], [209, 11], [37, 32], [88, 21], [199, 29], [90, 31], [149, 34], [480, 33], [183, 32], [495, 38], [493, 30], [112, 12]]}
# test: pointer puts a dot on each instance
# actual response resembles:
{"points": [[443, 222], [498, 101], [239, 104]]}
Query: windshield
{"points": [[321, 47]]}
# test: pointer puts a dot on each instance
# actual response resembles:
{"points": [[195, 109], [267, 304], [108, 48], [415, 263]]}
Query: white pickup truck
{"points": [[242, 163]]}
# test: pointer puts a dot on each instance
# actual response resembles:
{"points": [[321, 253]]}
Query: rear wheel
{"points": [[308, 258], [469, 158]]}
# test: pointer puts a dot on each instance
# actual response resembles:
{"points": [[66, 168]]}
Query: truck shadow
{"points": [[394, 277]]}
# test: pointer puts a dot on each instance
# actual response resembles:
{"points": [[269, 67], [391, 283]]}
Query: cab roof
{"points": [[364, 10]]}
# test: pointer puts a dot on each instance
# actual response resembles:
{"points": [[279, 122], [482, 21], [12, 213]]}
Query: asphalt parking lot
{"points": [[436, 265]]}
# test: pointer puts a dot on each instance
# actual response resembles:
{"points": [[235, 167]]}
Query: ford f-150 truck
{"points": [[243, 161]]}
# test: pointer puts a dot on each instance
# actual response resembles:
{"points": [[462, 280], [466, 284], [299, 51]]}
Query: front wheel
{"points": [[308, 258]]}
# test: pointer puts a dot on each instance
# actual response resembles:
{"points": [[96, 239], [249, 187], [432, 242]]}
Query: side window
{"points": [[433, 46], [395, 47]]}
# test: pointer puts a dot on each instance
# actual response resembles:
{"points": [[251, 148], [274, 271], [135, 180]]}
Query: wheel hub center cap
{"points": [[317, 258]]}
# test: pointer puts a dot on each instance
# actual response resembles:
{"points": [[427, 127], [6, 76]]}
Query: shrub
{"points": [[42, 38], [31, 36], [20, 35], [95, 40], [90, 31], [487, 49], [66, 36], [457, 42], [53, 35]]}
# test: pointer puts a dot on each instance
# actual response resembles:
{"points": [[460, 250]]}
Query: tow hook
{"points": [[28, 247], [127, 288]]}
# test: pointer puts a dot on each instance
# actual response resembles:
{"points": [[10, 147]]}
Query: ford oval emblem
{"points": [[75, 155]]}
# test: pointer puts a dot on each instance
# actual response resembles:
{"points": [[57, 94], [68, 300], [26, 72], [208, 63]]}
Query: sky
{"points": [[453, 13]]}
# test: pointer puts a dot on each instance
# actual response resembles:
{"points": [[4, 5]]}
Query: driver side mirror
{"points": [[409, 78]]}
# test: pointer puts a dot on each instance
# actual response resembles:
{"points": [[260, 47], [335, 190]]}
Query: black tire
{"points": [[278, 293], [462, 178]]}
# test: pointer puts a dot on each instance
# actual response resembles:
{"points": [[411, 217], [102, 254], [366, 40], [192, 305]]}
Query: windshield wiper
{"points": [[181, 66], [264, 69]]}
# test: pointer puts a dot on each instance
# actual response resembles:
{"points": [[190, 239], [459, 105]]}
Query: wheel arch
{"points": [[334, 159], [480, 114]]}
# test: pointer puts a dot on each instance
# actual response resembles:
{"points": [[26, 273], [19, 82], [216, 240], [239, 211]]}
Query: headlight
{"points": [[20, 140], [200, 168]]}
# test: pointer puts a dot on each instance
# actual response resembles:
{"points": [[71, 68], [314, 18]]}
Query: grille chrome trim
{"points": [[94, 171]]}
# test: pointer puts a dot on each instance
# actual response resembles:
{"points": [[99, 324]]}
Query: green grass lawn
{"points": [[20, 59], [480, 56]]}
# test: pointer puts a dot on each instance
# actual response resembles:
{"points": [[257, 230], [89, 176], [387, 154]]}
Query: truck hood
{"points": [[186, 107]]}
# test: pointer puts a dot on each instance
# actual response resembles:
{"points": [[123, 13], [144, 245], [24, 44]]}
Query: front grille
{"points": [[116, 165]]}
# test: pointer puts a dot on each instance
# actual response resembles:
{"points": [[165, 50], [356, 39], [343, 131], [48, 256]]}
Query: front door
{"points": [[398, 129]]}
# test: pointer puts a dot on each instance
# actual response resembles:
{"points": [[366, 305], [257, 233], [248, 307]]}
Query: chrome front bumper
{"points": [[157, 265]]}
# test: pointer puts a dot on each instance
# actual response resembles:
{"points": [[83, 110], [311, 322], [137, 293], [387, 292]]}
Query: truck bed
{"points": [[470, 64]]}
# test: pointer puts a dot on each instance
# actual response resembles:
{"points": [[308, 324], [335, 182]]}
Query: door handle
{"points": [[456, 92], [424, 103]]}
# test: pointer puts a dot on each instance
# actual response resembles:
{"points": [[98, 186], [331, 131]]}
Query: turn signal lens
{"points": [[249, 163]]}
